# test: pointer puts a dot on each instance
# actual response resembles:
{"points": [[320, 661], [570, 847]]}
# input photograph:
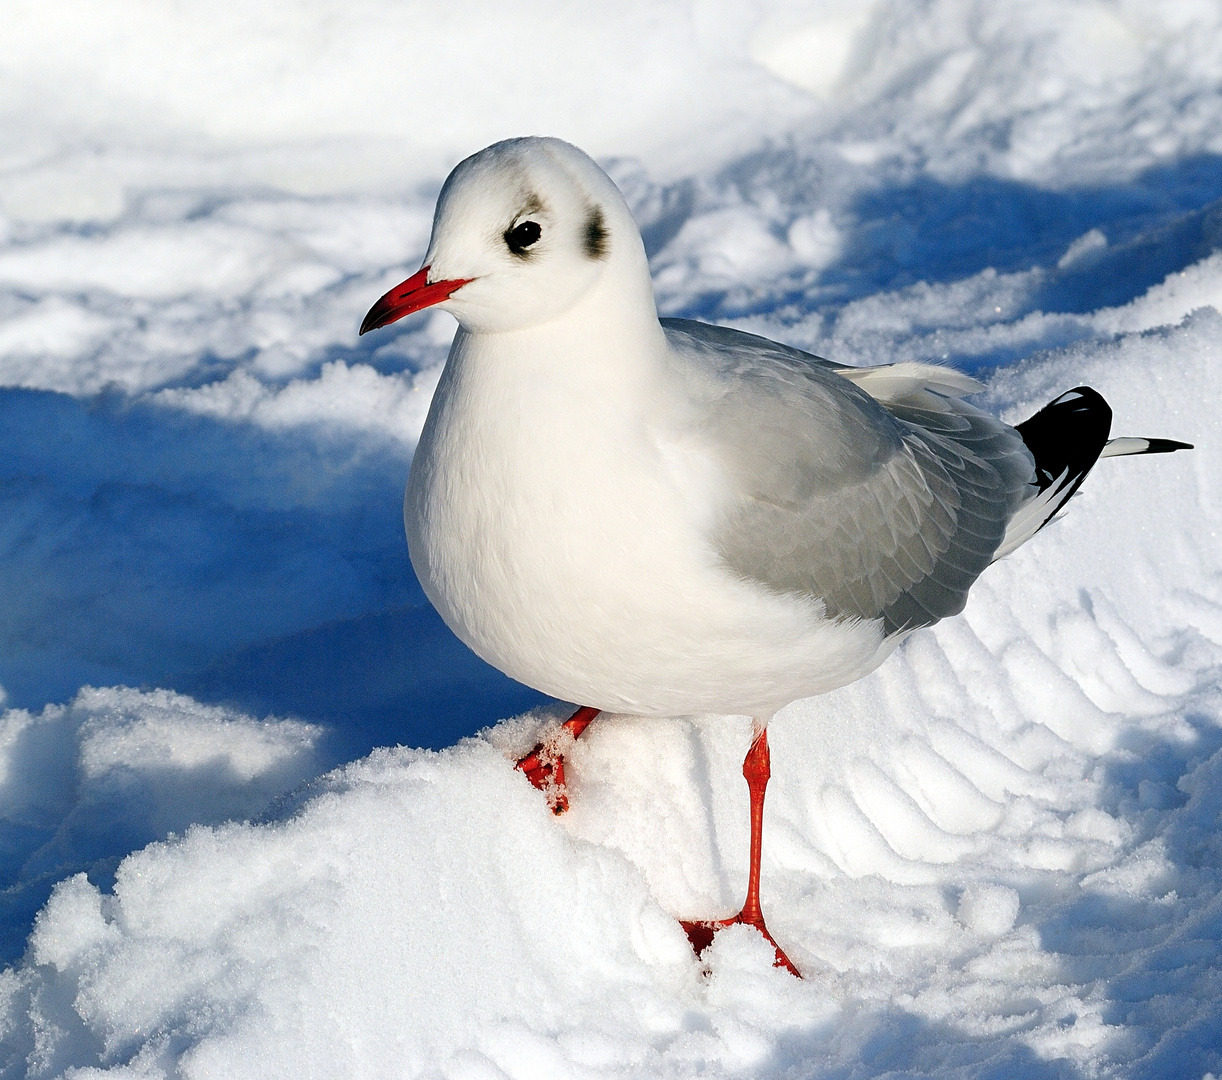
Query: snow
{"points": [[258, 815]]}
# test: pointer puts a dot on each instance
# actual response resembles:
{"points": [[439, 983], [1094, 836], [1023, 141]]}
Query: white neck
{"points": [[610, 338]]}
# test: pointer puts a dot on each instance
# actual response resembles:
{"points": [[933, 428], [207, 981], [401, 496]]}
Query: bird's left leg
{"points": [[544, 765], [756, 770]]}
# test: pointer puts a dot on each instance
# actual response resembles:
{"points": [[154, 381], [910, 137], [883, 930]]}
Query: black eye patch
{"points": [[595, 241], [522, 235]]}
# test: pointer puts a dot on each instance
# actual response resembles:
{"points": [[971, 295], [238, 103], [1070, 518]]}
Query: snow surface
{"points": [[998, 855]]}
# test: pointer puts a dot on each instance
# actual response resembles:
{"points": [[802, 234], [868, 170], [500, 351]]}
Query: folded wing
{"points": [[876, 491]]}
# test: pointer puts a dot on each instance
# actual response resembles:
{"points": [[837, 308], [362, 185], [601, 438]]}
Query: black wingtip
{"points": [[1166, 446], [1067, 435]]}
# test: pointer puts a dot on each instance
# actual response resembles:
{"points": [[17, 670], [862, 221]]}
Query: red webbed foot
{"points": [[700, 934]]}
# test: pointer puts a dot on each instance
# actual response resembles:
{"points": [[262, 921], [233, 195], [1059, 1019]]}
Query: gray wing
{"points": [[885, 500]]}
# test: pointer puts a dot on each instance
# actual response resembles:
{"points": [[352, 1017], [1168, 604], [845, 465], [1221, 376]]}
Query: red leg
{"points": [[756, 770], [544, 765]]}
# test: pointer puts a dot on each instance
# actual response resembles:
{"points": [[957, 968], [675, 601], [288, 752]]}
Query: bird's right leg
{"points": [[544, 765]]}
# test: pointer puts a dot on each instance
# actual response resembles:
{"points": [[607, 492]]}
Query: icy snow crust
{"points": [[999, 855]]}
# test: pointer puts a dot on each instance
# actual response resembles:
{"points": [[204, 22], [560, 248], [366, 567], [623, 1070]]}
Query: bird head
{"points": [[523, 230]]}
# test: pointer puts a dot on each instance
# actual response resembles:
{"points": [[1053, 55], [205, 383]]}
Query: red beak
{"points": [[414, 294]]}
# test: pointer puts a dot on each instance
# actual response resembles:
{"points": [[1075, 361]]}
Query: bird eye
{"points": [[521, 236]]}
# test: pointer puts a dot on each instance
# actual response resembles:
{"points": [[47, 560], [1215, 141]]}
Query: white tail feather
{"points": [[1034, 514]]}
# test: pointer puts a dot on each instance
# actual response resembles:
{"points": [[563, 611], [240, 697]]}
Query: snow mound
{"points": [[81, 785], [996, 851]]}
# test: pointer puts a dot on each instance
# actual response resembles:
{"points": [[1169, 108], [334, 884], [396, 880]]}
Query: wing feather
{"points": [[878, 491]]}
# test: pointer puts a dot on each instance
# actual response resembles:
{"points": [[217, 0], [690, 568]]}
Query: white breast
{"points": [[557, 515]]}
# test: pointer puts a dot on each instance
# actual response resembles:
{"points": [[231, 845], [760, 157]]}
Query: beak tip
{"points": [[377, 316]]}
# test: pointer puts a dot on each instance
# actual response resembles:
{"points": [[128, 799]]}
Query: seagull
{"points": [[660, 517]]}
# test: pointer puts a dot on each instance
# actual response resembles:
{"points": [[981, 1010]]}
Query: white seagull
{"points": [[662, 517]]}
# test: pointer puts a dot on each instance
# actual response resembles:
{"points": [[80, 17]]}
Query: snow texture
{"points": [[999, 855]]}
